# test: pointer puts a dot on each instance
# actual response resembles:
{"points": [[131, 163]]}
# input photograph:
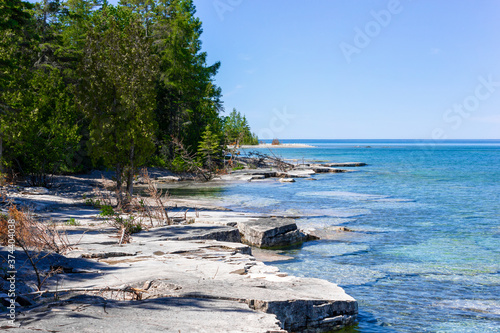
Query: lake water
{"points": [[425, 252]]}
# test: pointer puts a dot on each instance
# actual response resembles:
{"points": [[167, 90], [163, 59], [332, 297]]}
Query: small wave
{"points": [[479, 279], [482, 306]]}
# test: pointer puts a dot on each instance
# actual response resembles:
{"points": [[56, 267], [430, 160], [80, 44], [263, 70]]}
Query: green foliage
{"points": [[83, 82], [187, 99], [210, 149], [2, 179], [237, 131], [72, 222], [130, 225], [39, 128], [179, 165], [96, 203], [239, 167], [106, 210], [157, 161], [46, 132], [117, 92]]}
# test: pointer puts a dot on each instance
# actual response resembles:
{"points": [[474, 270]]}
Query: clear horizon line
{"points": [[433, 140]]}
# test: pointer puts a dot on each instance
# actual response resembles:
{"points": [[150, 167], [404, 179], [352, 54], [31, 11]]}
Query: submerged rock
{"points": [[345, 164], [323, 169]]}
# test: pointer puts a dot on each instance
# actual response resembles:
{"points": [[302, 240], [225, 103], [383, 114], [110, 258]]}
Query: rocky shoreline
{"points": [[197, 272]]}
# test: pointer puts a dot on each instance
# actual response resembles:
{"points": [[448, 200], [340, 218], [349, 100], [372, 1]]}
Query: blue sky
{"points": [[352, 69]]}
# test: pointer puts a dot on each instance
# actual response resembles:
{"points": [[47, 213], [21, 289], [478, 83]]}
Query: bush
{"points": [[239, 166], [131, 225], [107, 210], [73, 222]]}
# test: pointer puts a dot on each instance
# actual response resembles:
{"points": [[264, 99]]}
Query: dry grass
{"points": [[153, 207], [36, 238], [33, 233], [139, 213]]}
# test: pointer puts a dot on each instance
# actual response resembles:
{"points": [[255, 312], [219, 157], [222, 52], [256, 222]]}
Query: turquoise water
{"points": [[425, 252]]}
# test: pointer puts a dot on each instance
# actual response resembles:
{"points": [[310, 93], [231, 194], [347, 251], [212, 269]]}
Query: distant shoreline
{"points": [[281, 145]]}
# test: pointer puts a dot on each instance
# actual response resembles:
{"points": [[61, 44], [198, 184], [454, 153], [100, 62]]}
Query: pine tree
{"points": [[188, 100], [237, 130], [210, 149], [117, 93]]}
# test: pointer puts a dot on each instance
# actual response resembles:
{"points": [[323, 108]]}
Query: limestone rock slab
{"points": [[191, 232], [271, 232]]}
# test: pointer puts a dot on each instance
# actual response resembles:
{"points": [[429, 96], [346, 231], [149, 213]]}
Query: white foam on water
{"points": [[483, 306], [290, 212], [477, 279]]}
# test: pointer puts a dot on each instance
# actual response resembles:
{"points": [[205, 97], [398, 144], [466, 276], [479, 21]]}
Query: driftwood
{"points": [[264, 160], [128, 289]]}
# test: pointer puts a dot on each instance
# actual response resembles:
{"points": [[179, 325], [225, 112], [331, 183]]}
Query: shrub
{"points": [[107, 210], [72, 221]]}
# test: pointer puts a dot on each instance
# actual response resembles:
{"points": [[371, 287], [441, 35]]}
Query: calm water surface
{"points": [[425, 255]]}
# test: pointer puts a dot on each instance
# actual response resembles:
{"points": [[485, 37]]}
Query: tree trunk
{"points": [[1, 152], [130, 175], [119, 181]]}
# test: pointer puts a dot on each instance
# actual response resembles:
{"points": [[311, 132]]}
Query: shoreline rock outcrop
{"points": [[219, 279], [271, 233], [199, 276]]}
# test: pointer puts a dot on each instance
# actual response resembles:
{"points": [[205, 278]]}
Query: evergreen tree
{"points": [[16, 54], [80, 78], [117, 93], [237, 131], [40, 124], [187, 98], [210, 149]]}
